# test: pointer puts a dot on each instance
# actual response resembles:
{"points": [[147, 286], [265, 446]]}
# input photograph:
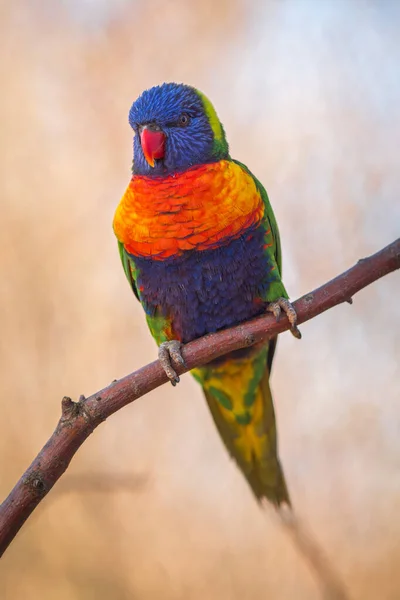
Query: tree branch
{"points": [[79, 419]]}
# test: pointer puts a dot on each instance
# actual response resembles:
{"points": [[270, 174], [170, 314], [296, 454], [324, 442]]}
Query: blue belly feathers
{"points": [[205, 291]]}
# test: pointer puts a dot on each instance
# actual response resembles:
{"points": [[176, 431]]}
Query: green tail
{"points": [[238, 394]]}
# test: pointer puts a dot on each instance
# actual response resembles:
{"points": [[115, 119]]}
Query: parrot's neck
{"points": [[199, 209]]}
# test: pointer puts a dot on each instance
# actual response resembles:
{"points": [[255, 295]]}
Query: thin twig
{"points": [[79, 419]]}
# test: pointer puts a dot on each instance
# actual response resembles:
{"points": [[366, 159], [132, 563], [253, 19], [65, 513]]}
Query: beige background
{"points": [[309, 94]]}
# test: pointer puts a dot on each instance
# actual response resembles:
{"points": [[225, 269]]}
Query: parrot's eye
{"points": [[184, 120]]}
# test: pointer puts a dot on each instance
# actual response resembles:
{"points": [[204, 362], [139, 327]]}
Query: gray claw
{"points": [[286, 306], [168, 352]]}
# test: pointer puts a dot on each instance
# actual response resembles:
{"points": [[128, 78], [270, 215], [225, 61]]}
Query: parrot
{"points": [[200, 247]]}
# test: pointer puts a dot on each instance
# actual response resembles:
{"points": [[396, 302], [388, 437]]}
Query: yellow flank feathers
{"points": [[229, 382], [239, 397]]}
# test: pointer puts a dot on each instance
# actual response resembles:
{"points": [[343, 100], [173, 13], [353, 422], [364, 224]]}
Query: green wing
{"points": [[277, 289], [129, 268], [159, 324], [269, 217]]}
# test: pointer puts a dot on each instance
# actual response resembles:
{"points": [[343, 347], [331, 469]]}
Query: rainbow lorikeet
{"points": [[200, 247]]}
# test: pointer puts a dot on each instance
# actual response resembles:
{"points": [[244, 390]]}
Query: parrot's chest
{"points": [[204, 291]]}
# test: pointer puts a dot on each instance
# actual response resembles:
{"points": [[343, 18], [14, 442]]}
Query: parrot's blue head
{"points": [[176, 128]]}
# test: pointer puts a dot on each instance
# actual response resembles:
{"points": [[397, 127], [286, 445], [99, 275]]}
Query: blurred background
{"points": [[152, 507]]}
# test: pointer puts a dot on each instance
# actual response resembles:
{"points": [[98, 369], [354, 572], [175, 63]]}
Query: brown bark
{"points": [[79, 419]]}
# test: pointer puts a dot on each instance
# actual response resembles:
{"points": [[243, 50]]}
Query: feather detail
{"points": [[198, 209]]}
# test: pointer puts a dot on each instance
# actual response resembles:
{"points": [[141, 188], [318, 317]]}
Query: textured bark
{"points": [[79, 419]]}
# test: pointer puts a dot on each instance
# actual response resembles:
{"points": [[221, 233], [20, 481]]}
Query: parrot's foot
{"points": [[168, 352], [286, 306]]}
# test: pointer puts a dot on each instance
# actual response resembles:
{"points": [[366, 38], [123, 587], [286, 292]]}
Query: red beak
{"points": [[153, 144]]}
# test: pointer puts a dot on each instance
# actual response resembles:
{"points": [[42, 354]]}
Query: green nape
{"points": [[221, 148]]}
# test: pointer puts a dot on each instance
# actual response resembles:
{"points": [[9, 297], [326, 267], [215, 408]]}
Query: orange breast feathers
{"points": [[199, 209]]}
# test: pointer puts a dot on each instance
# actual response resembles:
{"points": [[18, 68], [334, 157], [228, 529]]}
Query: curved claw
{"points": [[284, 304], [168, 352], [275, 309]]}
